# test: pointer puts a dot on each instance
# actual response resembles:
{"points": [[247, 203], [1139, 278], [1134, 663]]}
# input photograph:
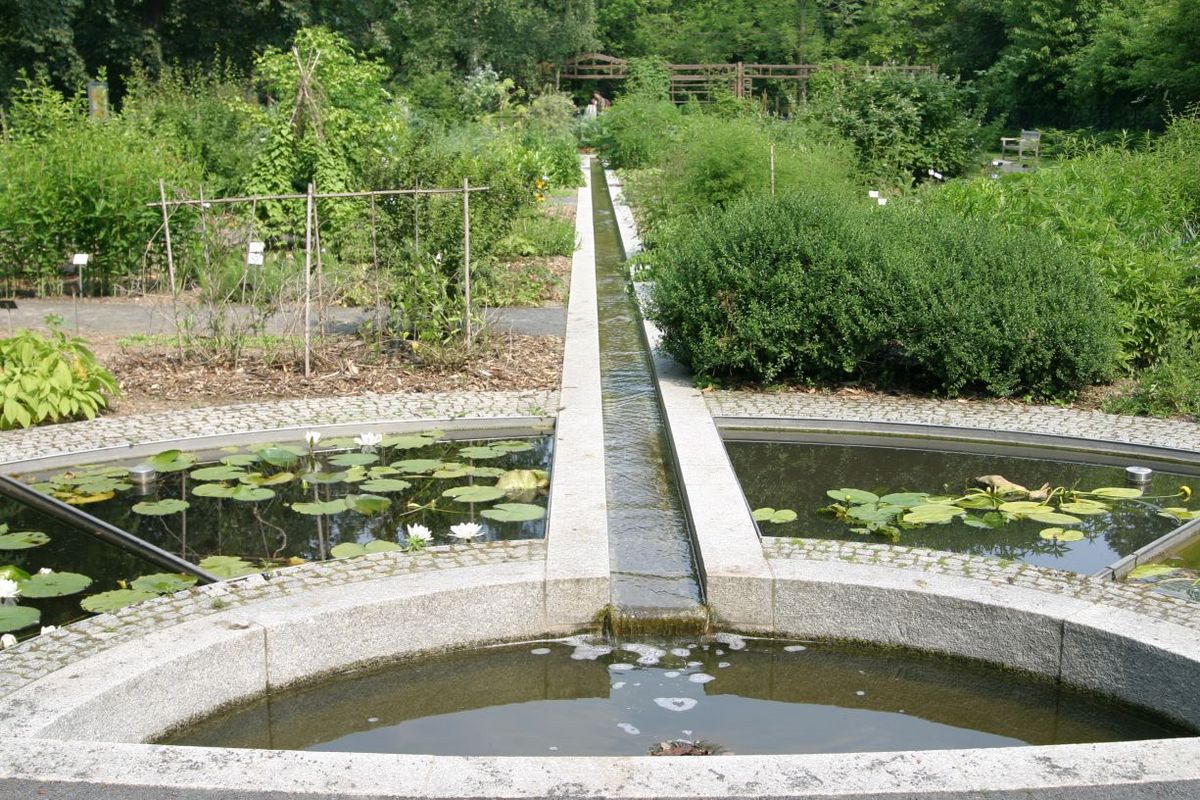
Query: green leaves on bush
{"points": [[50, 379], [817, 288]]}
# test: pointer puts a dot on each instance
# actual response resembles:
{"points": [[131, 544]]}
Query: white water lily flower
{"points": [[49, 629], [9, 589], [45, 571], [312, 437], [466, 530], [419, 532], [7, 641], [365, 440]]}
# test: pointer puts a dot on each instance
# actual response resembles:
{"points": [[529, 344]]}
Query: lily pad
{"points": [[1060, 535], [367, 504], [278, 456], [227, 566], [386, 485], [1117, 492], [381, 546], [164, 582], [22, 540], [856, 496], [118, 598], [417, 466], [77, 499], [54, 584], [251, 494], [904, 499], [511, 446], [353, 459], [1143, 571], [1054, 518], [478, 453], [490, 472], [212, 490], [474, 494], [323, 477], [776, 516], [221, 473], [347, 550], [13, 573], [514, 512], [1179, 514], [1085, 507], [13, 618], [413, 442], [452, 470], [160, 508], [933, 514], [321, 507], [101, 485], [240, 460], [172, 461], [1024, 507], [258, 479]]}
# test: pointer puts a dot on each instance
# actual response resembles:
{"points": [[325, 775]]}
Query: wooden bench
{"points": [[1028, 140]]}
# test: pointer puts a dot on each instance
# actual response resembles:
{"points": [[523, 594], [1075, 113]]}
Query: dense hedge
{"points": [[818, 288]]}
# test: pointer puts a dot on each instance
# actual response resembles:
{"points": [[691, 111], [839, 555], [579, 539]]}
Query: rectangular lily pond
{"points": [[248, 509], [1049, 508]]}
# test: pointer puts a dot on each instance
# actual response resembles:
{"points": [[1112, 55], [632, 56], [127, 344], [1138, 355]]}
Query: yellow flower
{"points": [[1187, 492]]}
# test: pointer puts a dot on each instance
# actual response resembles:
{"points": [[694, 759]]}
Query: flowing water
{"points": [[654, 568]]}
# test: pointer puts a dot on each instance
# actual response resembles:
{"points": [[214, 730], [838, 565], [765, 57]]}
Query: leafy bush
{"points": [[636, 131], [50, 379], [815, 288], [537, 234], [902, 126], [1170, 388]]}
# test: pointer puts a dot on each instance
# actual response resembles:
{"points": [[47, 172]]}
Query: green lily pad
{"points": [[323, 477], [212, 490], [381, 546], [13, 573], [413, 442], [1117, 492], [1085, 507], [1143, 571], [856, 496], [873, 513], [251, 494], [386, 485], [933, 514], [904, 499], [367, 504], [111, 601], [1024, 507], [160, 508], [1179, 514], [514, 512], [278, 456], [977, 501], [353, 459], [774, 516], [13, 618], [101, 485], [258, 479], [76, 499], [347, 550], [474, 494], [489, 472], [240, 460], [22, 540], [172, 461], [511, 446], [221, 473], [452, 470], [321, 507], [1054, 518], [382, 471], [227, 566], [164, 582], [54, 584], [1060, 535], [417, 466], [480, 453]]}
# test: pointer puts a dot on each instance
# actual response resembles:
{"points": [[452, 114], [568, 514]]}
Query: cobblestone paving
{"points": [[1139, 599], [40, 655], [984, 415], [170, 425]]}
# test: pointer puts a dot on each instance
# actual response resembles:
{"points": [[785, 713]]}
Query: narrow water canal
{"points": [[654, 567]]}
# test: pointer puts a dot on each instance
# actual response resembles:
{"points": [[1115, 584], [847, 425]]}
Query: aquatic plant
{"points": [[16, 583]]}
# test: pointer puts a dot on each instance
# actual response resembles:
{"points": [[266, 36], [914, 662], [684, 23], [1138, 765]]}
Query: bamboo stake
{"points": [[320, 272], [772, 169], [308, 218], [378, 288], [162, 191], [467, 252]]}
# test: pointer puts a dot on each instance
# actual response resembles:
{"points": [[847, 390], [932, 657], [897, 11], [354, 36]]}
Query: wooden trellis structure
{"points": [[699, 80]]}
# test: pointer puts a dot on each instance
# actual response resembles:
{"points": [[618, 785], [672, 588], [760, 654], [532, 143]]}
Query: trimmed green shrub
{"points": [[50, 379], [637, 131], [818, 288]]}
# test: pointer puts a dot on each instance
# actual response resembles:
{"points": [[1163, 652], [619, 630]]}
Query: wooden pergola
{"points": [[698, 80]]}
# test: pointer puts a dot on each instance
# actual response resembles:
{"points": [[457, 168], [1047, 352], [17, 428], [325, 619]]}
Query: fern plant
{"points": [[50, 378]]}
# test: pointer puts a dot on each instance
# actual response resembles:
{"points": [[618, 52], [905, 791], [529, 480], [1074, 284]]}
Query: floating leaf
{"points": [[172, 461], [776, 516], [977, 501], [1054, 518], [221, 473], [381, 546], [353, 459], [473, 494], [347, 550], [1057, 535], [54, 584], [164, 582], [13, 618], [258, 479], [111, 601], [933, 514], [160, 508], [976, 522], [367, 503], [227, 566], [452, 470], [13, 573], [322, 507], [478, 453], [1143, 571], [491, 472], [511, 446], [386, 485], [520, 481], [1024, 507], [22, 540], [1085, 507], [84, 499], [240, 460], [251, 494], [417, 466], [101, 486], [1117, 492], [856, 496], [212, 490], [904, 499], [1179, 514], [415, 442], [278, 456], [323, 477], [514, 512], [873, 513], [381, 471]]}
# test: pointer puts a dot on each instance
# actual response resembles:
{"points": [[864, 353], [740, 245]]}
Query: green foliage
{"points": [[814, 288], [1169, 388], [50, 379], [538, 234], [901, 126], [648, 77], [637, 131]]}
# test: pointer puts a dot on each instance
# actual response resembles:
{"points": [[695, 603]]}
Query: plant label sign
{"points": [[254, 259], [257, 247], [80, 259]]}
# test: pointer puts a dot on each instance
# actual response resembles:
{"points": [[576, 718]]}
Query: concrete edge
{"points": [[578, 585]]}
